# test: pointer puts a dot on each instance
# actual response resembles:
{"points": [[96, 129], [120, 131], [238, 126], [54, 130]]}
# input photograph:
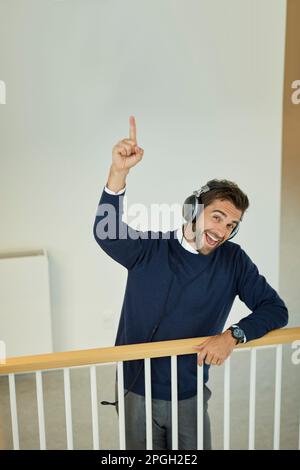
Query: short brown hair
{"points": [[228, 190]]}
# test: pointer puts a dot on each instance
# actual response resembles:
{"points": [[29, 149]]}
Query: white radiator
{"points": [[25, 314]]}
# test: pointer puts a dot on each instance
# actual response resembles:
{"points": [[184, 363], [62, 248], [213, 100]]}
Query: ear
{"points": [[194, 225]]}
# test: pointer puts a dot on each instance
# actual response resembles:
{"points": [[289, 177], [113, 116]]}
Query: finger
{"points": [[208, 359], [121, 150], [129, 141], [198, 348], [132, 145], [138, 150], [201, 357], [214, 361], [218, 361], [129, 144], [128, 149], [201, 346], [132, 128]]}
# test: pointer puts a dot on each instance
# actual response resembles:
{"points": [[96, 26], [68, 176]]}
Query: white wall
{"points": [[25, 311], [204, 79]]}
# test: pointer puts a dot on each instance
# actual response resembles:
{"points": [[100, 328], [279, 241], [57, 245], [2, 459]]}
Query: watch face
{"points": [[238, 333]]}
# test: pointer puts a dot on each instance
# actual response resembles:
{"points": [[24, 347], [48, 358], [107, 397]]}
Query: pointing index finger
{"points": [[132, 128]]}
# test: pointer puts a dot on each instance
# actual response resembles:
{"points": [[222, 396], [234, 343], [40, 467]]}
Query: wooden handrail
{"points": [[130, 352]]}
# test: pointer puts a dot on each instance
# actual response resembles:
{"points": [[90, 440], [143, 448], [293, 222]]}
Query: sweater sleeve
{"points": [[120, 241], [268, 309]]}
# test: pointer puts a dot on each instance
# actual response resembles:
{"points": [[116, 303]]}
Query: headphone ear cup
{"points": [[234, 232], [190, 208]]}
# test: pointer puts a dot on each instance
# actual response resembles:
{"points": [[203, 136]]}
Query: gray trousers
{"points": [[135, 422]]}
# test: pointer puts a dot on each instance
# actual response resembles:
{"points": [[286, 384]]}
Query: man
{"points": [[181, 285]]}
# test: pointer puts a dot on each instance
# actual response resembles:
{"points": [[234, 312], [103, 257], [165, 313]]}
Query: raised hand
{"points": [[126, 153]]}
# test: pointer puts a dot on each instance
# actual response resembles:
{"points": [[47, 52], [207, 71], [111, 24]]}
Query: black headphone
{"points": [[192, 205]]}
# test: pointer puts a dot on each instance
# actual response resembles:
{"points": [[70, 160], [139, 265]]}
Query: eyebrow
{"points": [[225, 215]]}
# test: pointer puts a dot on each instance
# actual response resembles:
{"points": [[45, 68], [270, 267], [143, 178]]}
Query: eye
{"points": [[216, 217]]}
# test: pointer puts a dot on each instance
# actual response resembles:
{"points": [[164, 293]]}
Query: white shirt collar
{"points": [[184, 243]]}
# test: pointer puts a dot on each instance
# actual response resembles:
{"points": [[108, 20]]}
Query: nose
{"points": [[221, 233]]}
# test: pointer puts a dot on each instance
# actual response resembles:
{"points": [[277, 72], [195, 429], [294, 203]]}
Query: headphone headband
{"points": [[203, 189]]}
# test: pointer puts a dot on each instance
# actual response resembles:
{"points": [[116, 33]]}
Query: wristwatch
{"points": [[237, 333]]}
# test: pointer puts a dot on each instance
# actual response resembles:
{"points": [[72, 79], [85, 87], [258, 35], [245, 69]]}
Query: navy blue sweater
{"points": [[194, 292]]}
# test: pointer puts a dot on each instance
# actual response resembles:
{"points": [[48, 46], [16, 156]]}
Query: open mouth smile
{"points": [[211, 240]]}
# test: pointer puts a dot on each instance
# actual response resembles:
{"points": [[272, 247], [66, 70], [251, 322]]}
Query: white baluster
{"points": [[40, 404], [174, 398], [200, 407], [68, 407], [121, 406], [252, 399], [94, 402], [13, 410], [148, 395], [227, 404], [299, 434], [277, 397]]}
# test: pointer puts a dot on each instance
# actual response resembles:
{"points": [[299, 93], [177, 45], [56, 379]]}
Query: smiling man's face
{"points": [[215, 225]]}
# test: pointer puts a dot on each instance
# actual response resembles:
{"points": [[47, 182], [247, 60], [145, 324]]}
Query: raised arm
{"points": [[125, 155], [115, 237]]}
